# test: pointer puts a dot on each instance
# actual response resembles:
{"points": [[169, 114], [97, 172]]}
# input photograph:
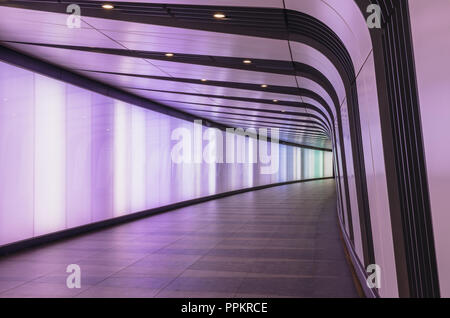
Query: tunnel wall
{"points": [[381, 228], [70, 157], [396, 141], [367, 225], [431, 54]]}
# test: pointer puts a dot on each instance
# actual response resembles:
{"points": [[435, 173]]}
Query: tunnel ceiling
{"points": [[243, 70]]}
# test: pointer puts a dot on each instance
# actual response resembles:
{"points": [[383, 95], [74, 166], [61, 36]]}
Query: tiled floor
{"points": [[278, 242]]}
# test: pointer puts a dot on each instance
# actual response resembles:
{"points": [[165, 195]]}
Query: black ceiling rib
{"points": [[304, 115], [325, 124], [280, 128], [239, 115], [258, 65], [283, 120], [305, 138], [290, 113], [266, 124], [244, 124], [275, 125], [277, 112], [244, 99], [251, 119], [276, 89], [308, 122]]}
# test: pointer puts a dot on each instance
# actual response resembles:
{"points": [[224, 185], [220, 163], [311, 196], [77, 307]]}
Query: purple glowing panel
{"points": [[162, 150], [138, 159], [102, 145], [16, 154], [153, 159], [78, 156], [49, 155], [122, 158]]}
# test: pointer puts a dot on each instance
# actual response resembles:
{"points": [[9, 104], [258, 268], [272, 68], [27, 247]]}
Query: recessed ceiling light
{"points": [[263, 85], [203, 79], [247, 61], [107, 6], [283, 111], [219, 15], [275, 101], [169, 54]]}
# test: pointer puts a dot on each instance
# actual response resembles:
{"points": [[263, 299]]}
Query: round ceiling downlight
{"points": [[219, 15]]}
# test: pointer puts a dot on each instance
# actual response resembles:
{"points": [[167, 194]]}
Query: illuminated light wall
{"points": [[49, 155], [70, 157]]}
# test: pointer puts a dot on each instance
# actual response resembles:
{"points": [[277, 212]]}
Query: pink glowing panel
{"points": [[102, 179], [16, 154], [211, 177], [198, 180], [78, 156], [328, 164], [176, 169], [186, 174], [294, 163], [122, 158], [166, 124], [251, 159], [138, 158], [153, 159], [283, 163], [299, 163], [320, 154], [290, 163], [314, 167], [50, 156]]}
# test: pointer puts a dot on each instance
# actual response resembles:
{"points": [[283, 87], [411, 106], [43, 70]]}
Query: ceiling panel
{"points": [[242, 3], [178, 84], [147, 37], [43, 27]]}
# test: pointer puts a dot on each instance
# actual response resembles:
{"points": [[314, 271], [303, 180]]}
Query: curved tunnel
{"points": [[362, 99]]}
